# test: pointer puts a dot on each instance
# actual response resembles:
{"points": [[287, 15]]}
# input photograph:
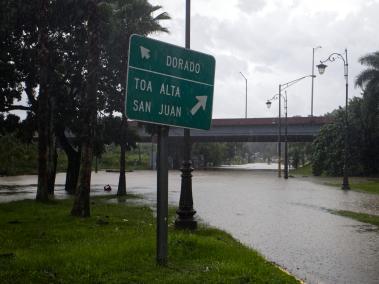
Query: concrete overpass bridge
{"points": [[300, 129]]}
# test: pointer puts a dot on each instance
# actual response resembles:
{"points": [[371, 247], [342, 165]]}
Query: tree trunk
{"points": [[43, 105], [73, 161], [52, 169], [72, 174], [52, 153], [81, 207], [121, 191]]}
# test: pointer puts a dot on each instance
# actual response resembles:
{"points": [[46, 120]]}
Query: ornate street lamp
{"points": [[279, 97], [268, 104], [321, 69]]}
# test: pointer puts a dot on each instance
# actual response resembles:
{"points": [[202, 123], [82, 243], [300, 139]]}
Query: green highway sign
{"points": [[168, 84]]}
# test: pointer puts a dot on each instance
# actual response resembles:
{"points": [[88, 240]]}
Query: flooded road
{"points": [[288, 221]]}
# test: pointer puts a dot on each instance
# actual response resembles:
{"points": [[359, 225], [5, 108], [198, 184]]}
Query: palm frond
{"points": [[371, 60], [366, 76], [162, 16]]}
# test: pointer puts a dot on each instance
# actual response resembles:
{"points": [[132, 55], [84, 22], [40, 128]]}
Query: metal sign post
{"points": [[168, 85], [162, 195]]}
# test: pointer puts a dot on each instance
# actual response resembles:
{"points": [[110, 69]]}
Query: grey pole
{"points": [[245, 94], [345, 183], [185, 219], [285, 138], [246, 101], [280, 134], [313, 75], [162, 195]]}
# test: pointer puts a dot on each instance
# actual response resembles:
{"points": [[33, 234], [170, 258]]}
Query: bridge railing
{"points": [[244, 130]]}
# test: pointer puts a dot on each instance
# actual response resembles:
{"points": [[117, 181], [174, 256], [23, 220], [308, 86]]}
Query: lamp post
{"points": [[185, 219], [313, 73], [321, 69], [268, 104], [245, 94], [279, 97]]}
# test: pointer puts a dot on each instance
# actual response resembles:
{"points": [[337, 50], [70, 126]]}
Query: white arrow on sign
{"points": [[201, 102], [145, 53]]}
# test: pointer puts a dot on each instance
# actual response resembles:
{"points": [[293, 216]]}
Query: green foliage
{"points": [[17, 157], [327, 148], [110, 132], [363, 129], [299, 154], [135, 160], [368, 79], [305, 170], [41, 243], [368, 186], [68, 55], [213, 153]]}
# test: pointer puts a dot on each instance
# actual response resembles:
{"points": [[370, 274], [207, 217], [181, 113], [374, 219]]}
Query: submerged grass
{"points": [[368, 186], [42, 243], [302, 171], [362, 217]]}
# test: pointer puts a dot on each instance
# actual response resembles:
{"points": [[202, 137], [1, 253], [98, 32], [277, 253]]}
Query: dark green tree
{"points": [[368, 81], [299, 153], [57, 41], [130, 17], [328, 147], [88, 111], [212, 153]]}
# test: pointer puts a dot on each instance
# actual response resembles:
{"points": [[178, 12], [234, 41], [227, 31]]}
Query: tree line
{"points": [[68, 60]]}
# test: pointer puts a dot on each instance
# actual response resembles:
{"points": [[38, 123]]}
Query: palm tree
{"points": [[108, 41], [368, 80], [132, 17]]}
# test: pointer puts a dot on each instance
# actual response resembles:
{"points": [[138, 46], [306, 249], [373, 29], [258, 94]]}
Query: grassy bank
{"points": [[302, 171], [362, 217], [41, 243], [368, 186]]}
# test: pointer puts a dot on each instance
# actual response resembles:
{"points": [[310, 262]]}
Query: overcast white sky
{"points": [[270, 42]]}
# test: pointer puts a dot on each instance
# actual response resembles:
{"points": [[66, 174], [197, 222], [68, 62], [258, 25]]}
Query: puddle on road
{"points": [[310, 206]]}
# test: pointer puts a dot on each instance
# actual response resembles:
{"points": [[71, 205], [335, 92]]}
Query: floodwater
{"points": [[288, 221]]}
